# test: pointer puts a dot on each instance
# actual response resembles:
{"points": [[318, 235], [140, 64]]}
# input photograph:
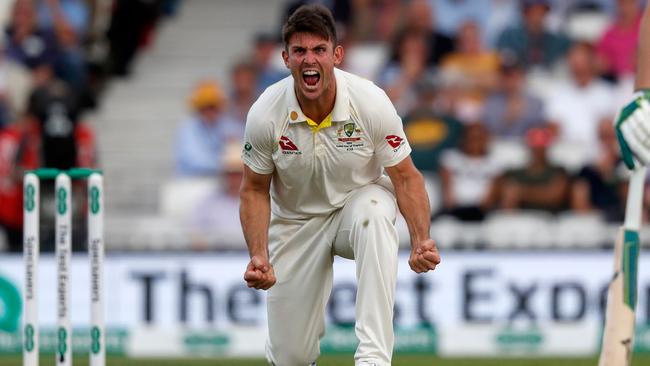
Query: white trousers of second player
{"points": [[302, 251]]}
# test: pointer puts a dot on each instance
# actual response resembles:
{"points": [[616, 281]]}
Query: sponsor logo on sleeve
{"points": [[395, 141], [288, 147], [247, 149]]}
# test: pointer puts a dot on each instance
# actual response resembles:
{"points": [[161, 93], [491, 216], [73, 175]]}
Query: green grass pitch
{"points": [[338, 361]]}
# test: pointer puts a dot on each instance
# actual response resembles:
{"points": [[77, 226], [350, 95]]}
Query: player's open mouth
{"points": [[311, 77]]}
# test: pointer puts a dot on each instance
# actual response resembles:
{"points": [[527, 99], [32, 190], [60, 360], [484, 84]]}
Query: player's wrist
{"points": [[260, 252], [417, 241]]}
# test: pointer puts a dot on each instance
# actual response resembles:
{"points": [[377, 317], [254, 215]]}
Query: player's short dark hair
{"points": [[314, 19]]}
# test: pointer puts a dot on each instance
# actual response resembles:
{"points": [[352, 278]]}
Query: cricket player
{"points": [[327, 166], [633, 122]]}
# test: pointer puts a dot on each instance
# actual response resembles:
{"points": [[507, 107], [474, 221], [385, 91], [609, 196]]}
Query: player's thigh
{"points": [[300, 247], [371, 202], [302, 260]]}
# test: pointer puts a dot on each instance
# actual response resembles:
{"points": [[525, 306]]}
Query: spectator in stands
{"points": [[375, 21], [26, 42], [429, 132], [15, 86], [74, 13], [130, 22], [400, 77], [419, 20], [502, 14], [576, 105], [539, 185], [65, 141], [54, 107], [53, 135], [561, 10], [450, 15], [467, 175], [34, 46], [216, 219], [67, 20], [531, 43], [19, 151], [511, 110], [202, 136], [478, 65], [601, 185], [243, 82], [267, 73], [617, 46]]}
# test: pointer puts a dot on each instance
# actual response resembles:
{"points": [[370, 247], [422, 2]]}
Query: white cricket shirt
{"points": [[314, 173]]}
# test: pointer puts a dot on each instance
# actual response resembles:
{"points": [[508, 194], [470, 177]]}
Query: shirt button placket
{"points": [[319, 147]]}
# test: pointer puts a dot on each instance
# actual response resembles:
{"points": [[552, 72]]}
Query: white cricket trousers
{"points": [[302, 253]]}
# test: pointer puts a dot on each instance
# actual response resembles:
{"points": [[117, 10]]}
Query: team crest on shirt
{"points": [[348, 128], [288, 147], [348, 137]]}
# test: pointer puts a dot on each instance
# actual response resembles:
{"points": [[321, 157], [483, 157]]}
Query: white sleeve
{"points": [[391, 146], [257, 152]]}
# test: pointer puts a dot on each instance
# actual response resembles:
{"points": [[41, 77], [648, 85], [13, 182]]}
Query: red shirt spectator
{"points": [[20, 150], [617, 47]]}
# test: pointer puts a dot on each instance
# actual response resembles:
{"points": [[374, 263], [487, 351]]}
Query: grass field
{"points": [[338, 361]]}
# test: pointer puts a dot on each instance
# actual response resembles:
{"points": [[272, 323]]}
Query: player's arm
{"points": [[255, 213], [413, 203], [633, 122]]}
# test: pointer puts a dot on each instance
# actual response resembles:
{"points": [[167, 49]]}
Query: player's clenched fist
{"points": [[259, 273], [424, 256], [633, 130]]}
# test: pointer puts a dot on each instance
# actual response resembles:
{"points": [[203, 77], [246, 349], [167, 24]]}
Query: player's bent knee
{"points": [[373, 216]]}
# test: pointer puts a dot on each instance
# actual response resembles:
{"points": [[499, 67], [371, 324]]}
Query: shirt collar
{"points": [[341, 111]]}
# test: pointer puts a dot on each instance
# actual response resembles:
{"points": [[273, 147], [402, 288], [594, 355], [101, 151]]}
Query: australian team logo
{"points": [[349, 129], [351, 132], [288, 147], [348, 137]]}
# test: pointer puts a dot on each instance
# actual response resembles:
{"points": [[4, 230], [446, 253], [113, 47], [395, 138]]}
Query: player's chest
{"points": [[342, 145]]}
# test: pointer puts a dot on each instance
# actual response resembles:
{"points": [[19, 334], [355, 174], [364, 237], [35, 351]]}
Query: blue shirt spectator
{"points": [[511, 111], [263, 53], [75, 12], [27, 43], [530, 43], [203, 135], [451, 14]]}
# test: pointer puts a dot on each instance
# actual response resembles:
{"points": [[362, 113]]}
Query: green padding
{"points": [[626, 152], [77, 173], [630, 267], [74, 173]]}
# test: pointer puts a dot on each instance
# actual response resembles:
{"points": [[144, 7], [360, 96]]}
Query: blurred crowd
{"points": [[508, 104], [56, 57]]}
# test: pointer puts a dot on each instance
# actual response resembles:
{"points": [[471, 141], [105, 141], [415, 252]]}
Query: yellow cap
{"points": [[207, 93]]}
